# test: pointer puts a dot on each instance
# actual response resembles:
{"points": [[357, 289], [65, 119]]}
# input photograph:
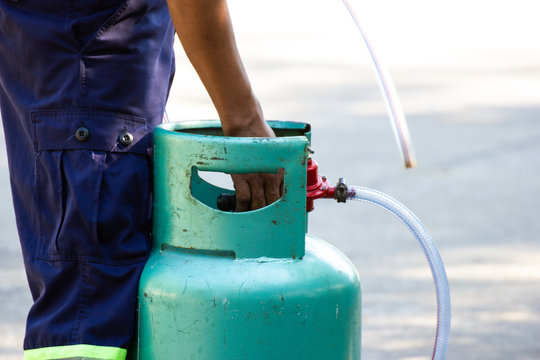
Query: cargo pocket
{"points": [[93, 185]]}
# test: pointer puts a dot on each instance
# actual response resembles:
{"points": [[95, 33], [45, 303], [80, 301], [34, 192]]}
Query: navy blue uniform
{"points": [[82, 85]]}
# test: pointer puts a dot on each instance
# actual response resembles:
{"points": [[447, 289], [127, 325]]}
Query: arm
{"points": [[205, 31]]}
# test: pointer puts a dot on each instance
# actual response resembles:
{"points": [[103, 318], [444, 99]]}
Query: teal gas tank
{"points": [[229, 286]]}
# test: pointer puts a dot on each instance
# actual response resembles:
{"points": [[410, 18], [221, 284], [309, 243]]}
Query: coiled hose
{"points": [[432, 255]]}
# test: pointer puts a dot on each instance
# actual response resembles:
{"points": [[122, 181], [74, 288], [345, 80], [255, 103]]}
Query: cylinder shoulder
{"points": [[323, 266]]}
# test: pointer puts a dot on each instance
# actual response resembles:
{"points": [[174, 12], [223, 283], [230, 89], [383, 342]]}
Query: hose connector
{"points": [[340, 191], [318, 188]]}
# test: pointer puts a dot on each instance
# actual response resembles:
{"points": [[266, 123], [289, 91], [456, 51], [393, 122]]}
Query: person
{"points": [[82, 85]]}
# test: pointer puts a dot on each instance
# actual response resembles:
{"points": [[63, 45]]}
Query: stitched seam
{"points": [[77, 325], [63, 202], [34, 129], [92, 112], [82, 57], [114, 17], [84, 294], [38, 204], [82, 81], [95, 200]]}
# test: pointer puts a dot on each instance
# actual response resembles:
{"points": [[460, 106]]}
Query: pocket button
{"points": [[82, 134], [125, 138]]}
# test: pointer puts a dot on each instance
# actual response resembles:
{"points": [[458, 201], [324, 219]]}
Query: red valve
{"points": [[317, 186]]}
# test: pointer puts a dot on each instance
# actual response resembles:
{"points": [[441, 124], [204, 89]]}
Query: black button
{"points": [[82, 134], [125, 138]]}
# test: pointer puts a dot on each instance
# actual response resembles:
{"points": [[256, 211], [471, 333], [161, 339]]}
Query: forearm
{"points": [[205, 31]]}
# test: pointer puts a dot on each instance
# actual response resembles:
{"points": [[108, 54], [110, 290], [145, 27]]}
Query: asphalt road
{"points": [[469, 80]]}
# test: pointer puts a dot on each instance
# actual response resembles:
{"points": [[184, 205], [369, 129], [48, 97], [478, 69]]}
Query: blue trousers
{"points": [[82, 85]]}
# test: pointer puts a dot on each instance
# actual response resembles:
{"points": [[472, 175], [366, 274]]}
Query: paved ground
{"points": [[469, 80]]}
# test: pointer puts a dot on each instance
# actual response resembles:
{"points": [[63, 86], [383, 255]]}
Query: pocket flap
{"points": [[90, 129]]}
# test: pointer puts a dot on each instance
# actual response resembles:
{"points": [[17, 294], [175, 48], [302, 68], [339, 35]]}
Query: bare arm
{"points": [[205, 31]]}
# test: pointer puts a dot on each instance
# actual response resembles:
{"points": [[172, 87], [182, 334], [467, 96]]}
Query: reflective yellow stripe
{"points": [[70, 351]]}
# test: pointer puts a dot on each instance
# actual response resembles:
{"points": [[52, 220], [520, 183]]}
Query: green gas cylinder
{"points": [[222, 285]]}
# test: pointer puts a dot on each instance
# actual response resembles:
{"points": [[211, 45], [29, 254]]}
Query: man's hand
{"points": [[254, 191], [205, 31]]}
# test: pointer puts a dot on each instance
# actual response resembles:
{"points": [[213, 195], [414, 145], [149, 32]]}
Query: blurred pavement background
{"points": [[468, 74]]}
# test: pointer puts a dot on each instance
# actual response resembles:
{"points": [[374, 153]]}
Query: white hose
{"points": [[430, 250], [390, 96]]}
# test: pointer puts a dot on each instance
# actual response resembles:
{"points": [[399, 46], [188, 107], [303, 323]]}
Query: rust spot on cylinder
{"points": [[274, 222]]}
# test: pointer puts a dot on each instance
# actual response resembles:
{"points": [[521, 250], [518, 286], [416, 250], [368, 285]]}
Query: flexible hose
{"points": [[390, 96], [432, 255]]}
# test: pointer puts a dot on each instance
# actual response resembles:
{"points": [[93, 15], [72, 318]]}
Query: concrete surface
{"points": [[468, 74]]}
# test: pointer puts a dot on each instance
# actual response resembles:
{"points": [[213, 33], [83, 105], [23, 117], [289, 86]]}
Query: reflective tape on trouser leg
{"points": [[82, 351]]}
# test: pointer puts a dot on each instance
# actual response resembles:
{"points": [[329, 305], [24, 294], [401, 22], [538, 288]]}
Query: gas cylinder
{"points": [[253, 285]]}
